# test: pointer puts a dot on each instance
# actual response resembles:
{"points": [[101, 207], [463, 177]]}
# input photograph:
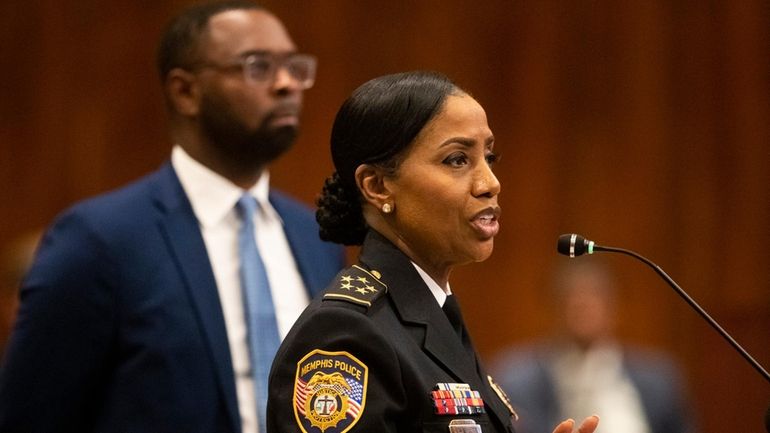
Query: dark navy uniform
{"points": [[368, 355]]}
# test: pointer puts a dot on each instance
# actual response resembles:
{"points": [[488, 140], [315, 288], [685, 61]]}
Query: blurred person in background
{"points": [[158, 307], [585, 369]]}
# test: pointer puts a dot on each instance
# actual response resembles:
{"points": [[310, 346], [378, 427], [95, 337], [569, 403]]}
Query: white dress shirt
{"points": [[438, 293], [594, 382], [213, 200]]}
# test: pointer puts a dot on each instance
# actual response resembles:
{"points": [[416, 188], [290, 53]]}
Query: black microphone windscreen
{"points": [[571, 245]]}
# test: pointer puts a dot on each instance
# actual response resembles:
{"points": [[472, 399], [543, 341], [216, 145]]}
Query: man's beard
{"points": [[242, 147]]}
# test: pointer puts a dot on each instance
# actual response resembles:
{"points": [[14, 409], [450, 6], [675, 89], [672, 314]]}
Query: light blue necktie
{"points": [[258, 307]]}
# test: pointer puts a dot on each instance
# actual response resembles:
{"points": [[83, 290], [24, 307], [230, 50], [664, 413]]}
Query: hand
{"points": [[588, 426]]}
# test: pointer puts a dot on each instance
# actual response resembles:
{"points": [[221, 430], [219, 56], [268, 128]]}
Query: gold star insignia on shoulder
{"points": [[357, 285]]}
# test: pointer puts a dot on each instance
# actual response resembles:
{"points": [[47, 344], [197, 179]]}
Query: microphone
{"points": [[574, 245]]}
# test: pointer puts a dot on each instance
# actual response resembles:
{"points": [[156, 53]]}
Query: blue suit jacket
{"points": [[120, 328]]}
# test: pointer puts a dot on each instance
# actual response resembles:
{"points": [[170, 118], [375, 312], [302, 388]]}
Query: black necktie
{"points": [[452, 310]]}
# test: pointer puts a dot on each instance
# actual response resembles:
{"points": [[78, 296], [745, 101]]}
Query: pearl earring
{"points": [[387, 208]]}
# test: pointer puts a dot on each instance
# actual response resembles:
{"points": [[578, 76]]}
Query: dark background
{"points": [[643, 124]]}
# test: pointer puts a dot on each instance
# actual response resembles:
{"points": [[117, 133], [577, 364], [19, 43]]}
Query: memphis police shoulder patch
{"points": [[329, 391], [357, 285]]}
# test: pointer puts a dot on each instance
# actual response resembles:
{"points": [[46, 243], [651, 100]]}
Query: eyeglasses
{"points": [[261, 67]]}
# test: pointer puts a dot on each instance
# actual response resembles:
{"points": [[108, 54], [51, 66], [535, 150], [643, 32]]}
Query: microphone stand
{"points": [[574, 245], [700, 311]]}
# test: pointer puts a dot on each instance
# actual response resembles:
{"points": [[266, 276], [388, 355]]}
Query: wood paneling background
{"points": [[643, 124]]}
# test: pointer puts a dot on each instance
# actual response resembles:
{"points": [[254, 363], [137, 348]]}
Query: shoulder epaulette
{"points": [[357, 285]]}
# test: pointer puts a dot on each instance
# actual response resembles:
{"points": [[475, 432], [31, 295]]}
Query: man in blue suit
{"points": [[132, 318]]}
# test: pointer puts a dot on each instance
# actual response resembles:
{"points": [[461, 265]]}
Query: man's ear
{"points": [[182, 92], [371, 182]]}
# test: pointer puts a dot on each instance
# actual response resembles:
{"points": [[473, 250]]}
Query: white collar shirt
{"points": [[595, 382], [436, 290], [213, 199]]}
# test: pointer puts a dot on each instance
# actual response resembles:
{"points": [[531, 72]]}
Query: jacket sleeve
{"points": [[57, 353], [346, 332]]}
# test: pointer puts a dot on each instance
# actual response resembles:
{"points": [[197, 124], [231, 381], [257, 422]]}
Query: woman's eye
{"points": [[456, 160], [492, 158]]}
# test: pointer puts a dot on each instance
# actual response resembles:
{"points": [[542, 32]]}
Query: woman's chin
{"points": [[484, 250]]}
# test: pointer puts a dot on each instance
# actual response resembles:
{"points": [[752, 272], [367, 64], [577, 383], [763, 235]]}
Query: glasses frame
{"points": [[276, 61]]}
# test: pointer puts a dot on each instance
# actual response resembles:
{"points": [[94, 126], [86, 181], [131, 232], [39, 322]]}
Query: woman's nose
{"points": [[486, 183]]}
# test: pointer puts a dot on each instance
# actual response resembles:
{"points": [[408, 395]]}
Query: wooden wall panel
{"points": [[643, 124]]}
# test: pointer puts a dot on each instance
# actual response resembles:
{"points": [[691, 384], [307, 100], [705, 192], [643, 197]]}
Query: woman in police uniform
{"points": [[385, 349]]}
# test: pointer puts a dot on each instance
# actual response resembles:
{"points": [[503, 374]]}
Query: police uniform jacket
{"points": [[367, 355]]}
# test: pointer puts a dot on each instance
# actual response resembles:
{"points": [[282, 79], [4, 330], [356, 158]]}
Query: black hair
{"points": [[375, 125], [178, 46]]}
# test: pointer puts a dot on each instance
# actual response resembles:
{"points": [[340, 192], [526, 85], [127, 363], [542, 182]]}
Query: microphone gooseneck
{"points": [[574, 245]]}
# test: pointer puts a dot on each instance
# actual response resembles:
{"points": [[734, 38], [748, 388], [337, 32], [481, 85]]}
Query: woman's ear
{"points": [[182, 92], [371, 182]]}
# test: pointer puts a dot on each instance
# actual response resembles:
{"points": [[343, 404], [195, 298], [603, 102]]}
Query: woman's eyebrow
{"points": [[468, 142], [464, 141]]}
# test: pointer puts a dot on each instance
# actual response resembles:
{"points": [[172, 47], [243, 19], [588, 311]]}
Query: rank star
{"points": [[361, 290], [363, 280], [347, 278], [346, 286]]}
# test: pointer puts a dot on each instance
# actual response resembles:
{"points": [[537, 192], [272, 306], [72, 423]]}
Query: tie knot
{"points": [[247, 205]]}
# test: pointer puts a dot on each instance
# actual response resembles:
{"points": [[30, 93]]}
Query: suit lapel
{"points": [[416, 305], [442, 342], [184, 239], [297, 235]]}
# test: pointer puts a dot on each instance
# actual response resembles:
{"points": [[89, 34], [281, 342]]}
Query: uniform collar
{"points": [[435, 289]]}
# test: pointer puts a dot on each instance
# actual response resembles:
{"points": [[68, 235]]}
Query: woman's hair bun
{"points": [[339, 214]]}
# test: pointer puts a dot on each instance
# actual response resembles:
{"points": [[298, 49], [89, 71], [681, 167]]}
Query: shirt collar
{"points": [[213, 196], [435, 289]]}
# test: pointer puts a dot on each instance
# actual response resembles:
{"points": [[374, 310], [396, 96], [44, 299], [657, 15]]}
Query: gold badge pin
{"points": [[503, 397]]}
